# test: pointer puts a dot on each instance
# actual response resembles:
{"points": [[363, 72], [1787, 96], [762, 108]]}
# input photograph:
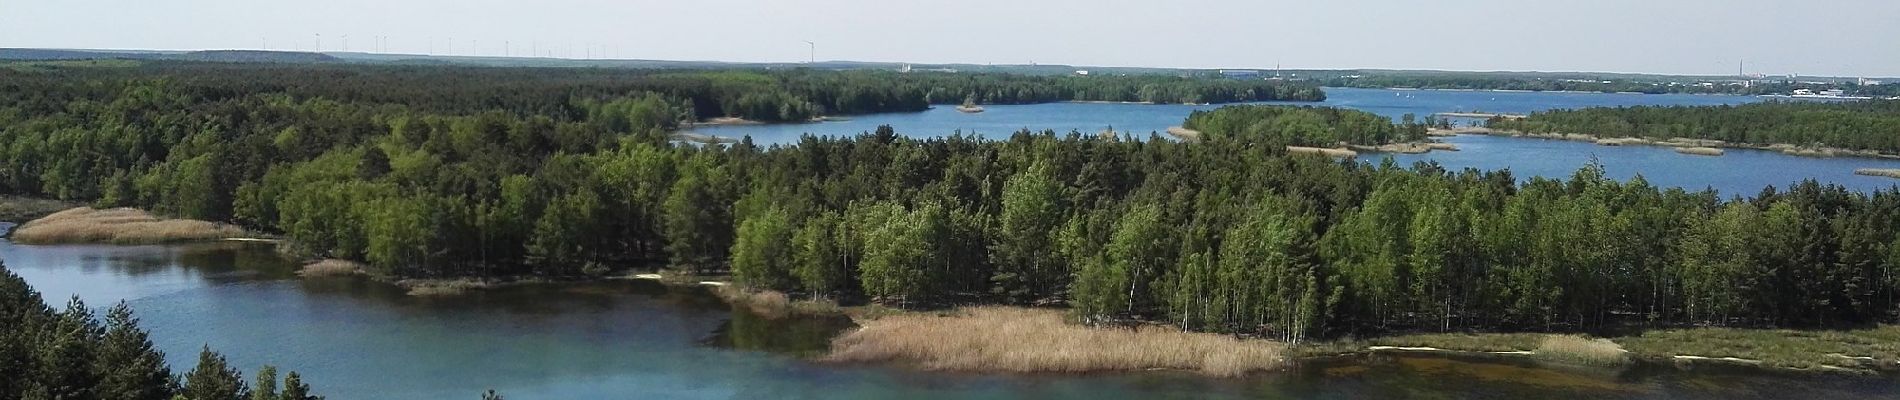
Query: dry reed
{"points": [[421, 287], [1886, 172], [330, 267], [1581, 350], [1335, 153], [773, 304], [1700, 151], [1005, 339], [1185, 133], [118, 226]]}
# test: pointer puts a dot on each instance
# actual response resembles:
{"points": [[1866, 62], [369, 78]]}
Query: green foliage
{"points": [[820, 254], [213, 379], [762, 250], [71, 354], [425, 171], [130, 368], [899, 248], [1300, 126], [1024, 252], [1847, 125]]}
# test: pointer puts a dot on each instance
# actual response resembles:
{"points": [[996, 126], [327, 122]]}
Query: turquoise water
{"points": [[1743, 172], [357, 339]]}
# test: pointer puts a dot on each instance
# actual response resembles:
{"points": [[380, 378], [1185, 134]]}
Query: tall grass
{"points": [[118, 226], [1581, 350], [1875, 348], [440, 287], [1700, 151], [773, 304], [330, 267], [1005, 339]]}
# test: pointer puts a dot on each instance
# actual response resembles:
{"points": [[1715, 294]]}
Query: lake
{"points": [[353, 338], [1743, 172]]}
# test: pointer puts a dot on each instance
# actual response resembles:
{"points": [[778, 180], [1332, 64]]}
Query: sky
{"points": [[1774, 37]]}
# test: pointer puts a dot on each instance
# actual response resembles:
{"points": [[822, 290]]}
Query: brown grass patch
{"points": [[118, 226], [1581, 350], [1335, 153], [1886, 172], [1185, 134], [330, 267], [1005, 339], [773, 304], [433, 287], [1699, 151]]}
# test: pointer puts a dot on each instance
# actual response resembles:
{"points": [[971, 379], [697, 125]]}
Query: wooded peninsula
{"points": [[480, 172], [1854, 125]]}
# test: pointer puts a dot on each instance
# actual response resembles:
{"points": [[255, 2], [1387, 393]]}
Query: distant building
{"points": [[1082, 72], [1240, 73]]}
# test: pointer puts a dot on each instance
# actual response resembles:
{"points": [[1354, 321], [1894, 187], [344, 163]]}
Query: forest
{"points": [[1853, 125], [1584, 82], [72, 354], [1303, 126], [762, 95], [441, 173]]}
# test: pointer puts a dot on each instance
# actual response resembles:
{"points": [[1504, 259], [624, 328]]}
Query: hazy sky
{"points": [[1816, 37]]}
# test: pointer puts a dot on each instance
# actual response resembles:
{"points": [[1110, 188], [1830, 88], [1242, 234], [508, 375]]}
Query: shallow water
{"points": [[357, 339], [1743, 172]]}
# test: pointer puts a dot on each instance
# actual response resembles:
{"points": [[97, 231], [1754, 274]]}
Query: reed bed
{"points": [[1474, 342], [1007, 339], [1700, 151], [1185, 133], [1886, 172], [1335, 153], [330, 267], [1581, 350], [773, 304], [431, 287], [1876, 348], [118, 226]]}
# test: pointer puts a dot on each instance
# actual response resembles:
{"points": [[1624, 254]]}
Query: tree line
{"points": [[1540, 82], [1229, 234], [762, 95], [73, 354], [1854, 125], [1303, 126]]}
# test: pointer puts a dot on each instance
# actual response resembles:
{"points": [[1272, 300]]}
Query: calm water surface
{"points": [[1743, 172], [356, 339]]}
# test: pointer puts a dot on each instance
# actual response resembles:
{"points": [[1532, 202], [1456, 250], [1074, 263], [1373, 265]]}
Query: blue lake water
{"points": [[352, 338], [1743, 172]]}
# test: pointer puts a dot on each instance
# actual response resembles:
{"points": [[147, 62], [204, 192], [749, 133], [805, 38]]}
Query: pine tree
{"points": [[213, 379], [129, 367], [295, 389]]}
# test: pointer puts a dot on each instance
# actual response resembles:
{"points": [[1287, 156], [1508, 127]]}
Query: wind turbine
{"points": [[319, 43], [814, 52], [346, 42]]}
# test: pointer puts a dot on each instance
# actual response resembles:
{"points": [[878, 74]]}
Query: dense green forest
{"points": [[432, 175], [72, 354], [568, 93], [1584, 82], [1856, 125], [1302, 126]]}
